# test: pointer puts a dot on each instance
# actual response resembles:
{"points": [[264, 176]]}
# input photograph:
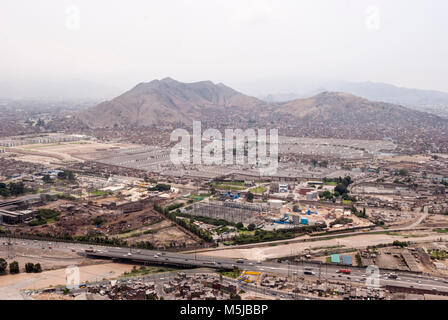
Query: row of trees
{"points": [[282, 234], [33, 268], [12, 189], [161, 187], [341, 189], [63, 175], [14, 267]]}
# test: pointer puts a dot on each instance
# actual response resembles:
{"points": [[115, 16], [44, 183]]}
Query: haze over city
{"points": [[258, 47], [211, 151]]}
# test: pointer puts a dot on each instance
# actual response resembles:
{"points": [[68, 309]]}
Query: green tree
{"points": [[251, 227], [341, 188], [16, 188], [14, 267], [249, 196], [37, 268], [29, 267], [3, 265]]}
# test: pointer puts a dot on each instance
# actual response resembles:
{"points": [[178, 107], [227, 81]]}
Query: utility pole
{"points": [[320, 265]]}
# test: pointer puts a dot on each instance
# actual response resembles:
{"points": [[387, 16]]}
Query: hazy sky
{"points": [[256, 46]]}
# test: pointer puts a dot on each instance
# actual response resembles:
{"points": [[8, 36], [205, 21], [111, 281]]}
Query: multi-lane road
{"points": [[305, 268], [324, 271]]}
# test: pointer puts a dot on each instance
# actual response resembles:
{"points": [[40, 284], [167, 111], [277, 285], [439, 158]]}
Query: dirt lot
{"points": [[279, 251], [11, 285], [437, 220], [160, 234], [66, 151], [392, 260], [48, 258]]}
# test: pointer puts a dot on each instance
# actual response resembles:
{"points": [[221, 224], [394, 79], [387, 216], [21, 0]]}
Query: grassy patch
{"points": [[45, 216], [99, 193], [258, 190], [231, 274], [144, 270], [229, 185], [439, 255]]}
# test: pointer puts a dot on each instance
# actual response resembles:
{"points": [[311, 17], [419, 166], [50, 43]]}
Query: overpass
{"points": [[405, 280]]}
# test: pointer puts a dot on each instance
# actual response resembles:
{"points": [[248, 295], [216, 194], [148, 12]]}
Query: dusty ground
{"points": [[278, 251], [66, 151], [415, 158], [163, 233], [48, 258], [11, 285]]}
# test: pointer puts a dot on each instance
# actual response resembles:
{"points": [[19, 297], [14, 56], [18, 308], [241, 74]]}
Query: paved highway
{"points": [[358, 275], [325, 271]]}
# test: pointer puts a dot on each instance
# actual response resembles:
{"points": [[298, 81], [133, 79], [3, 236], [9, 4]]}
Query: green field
{"points": [[145, 270], [230, 274], [197, 197], [99, 193], [44, 146], [229, 185], [258, 190]]}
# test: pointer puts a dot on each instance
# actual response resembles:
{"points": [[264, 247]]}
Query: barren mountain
{"points": [[326, 115], [167, 101], [430, 101]]}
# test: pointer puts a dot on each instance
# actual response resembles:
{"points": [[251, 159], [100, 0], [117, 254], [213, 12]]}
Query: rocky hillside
{"points": [[167, 101]]}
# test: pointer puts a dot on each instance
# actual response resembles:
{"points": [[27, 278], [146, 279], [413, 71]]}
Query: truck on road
{"points": [[346, 271]]}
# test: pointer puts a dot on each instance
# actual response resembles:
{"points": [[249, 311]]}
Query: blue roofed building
{"points": [[334, 258], [346, 260]]}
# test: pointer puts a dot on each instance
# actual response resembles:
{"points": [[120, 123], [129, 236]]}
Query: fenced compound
{"points": [[230, 211]]}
